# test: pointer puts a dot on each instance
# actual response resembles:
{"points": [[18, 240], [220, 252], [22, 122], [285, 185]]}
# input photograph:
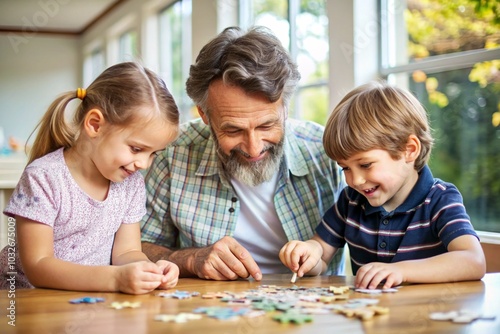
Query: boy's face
{"points": [[381, 179]]}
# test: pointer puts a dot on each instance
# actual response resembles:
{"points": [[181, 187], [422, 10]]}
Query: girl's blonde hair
{"points": [[119, 93], [377, 116]]}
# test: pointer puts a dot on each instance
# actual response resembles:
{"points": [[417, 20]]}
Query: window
{"points": [[306, 38], [447, 53], [94, 64], [127, 46], [175, 53]]}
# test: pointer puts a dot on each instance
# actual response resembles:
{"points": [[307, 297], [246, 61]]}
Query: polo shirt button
{"points": [[385, 222], [231, 210], [383, 244]]}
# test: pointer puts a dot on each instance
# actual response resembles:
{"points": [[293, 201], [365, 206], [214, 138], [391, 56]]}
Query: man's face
{"points": [[248, 131]]}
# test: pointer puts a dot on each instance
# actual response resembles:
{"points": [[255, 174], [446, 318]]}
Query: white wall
{"points": [[353, 29], [209, 17], [34, 70], [133, 14]]}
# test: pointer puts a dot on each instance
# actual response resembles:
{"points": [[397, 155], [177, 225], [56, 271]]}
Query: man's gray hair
{"points": [[255, 61]]}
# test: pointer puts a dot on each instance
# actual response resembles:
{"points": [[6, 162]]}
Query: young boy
{"points": [[401, 224]]}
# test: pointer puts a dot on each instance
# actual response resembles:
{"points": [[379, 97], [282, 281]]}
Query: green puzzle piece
{"points": [[294, 317]]}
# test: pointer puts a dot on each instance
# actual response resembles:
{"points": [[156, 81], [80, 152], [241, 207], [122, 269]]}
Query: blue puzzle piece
{"points": [[222, 313], [87, 300]]}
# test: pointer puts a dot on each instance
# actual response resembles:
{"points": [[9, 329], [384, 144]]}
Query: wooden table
{"points": [[49, 311]]}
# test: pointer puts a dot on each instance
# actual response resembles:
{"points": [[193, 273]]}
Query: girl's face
{"points": [[121, 151], [381, 179]]}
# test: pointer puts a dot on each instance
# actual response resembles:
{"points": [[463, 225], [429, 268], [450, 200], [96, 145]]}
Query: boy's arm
{"points": [[327, 251], [464, 261]]}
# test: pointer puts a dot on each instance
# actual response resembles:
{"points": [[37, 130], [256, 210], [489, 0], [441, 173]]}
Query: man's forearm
{"points": [[182, 258]]}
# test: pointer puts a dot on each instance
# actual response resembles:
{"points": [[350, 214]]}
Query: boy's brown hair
{"points": [[377, 116]]}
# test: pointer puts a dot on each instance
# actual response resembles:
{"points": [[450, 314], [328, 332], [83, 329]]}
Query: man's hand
{"points": [[225, 260]]}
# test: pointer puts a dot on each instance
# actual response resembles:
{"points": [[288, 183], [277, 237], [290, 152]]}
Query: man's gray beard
{"points": [[252, 174]]}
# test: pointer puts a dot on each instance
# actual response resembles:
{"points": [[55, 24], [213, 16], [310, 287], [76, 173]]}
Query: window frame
{"points": [[432, 64]]}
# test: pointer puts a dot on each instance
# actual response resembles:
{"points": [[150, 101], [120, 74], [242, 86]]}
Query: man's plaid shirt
{"points": [[189, 203]]}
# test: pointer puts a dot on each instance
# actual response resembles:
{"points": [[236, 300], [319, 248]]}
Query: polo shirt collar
{"points": [[417, 195]]}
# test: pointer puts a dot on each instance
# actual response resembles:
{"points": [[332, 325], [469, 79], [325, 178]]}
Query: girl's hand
{"points": [[170, 274], [138, 277], [301, 257], [372, 274]]}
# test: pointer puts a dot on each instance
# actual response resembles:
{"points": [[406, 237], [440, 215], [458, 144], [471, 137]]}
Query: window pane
{"points": [[463, 108], [274, 15], [93, 66], [418, 29], [127, 46], [312, 49], [312, 103], [306, 38], [175, 53]]}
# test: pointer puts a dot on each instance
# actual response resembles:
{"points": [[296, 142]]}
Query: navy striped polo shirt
{"points": [[421, 227]]}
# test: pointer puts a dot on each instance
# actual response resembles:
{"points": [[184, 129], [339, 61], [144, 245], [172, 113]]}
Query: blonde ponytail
{"points": [[53, 130]]}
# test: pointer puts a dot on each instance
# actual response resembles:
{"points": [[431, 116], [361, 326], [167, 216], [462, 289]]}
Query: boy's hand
{"points": [[138, 277], [170, 274], [372, 274], [301, 256]]}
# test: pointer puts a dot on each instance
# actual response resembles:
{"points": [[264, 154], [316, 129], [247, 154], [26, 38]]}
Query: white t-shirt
{"points": [[258, 228]]}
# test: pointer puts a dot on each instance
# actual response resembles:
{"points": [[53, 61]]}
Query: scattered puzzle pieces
{"points": [[87, 300], [339, 290], [213, 295], [223, 313], [461, 316], [363, 313], [126, 304], [295, 317], [178, 318], [178, 294], [376, 291], [293, 304], [334, 298]]}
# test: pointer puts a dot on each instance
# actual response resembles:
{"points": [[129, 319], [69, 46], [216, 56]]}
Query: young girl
{"points": [[80, 199]]}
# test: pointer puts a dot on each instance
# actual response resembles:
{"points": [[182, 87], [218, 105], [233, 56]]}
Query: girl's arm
{"points": [[36, 250], [127, 247]]}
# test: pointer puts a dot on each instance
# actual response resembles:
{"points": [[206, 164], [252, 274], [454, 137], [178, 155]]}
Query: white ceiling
{"points": [[66, 16]]}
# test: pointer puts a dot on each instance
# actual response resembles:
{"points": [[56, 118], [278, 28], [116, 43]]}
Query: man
{"points": [[242, 181]]}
